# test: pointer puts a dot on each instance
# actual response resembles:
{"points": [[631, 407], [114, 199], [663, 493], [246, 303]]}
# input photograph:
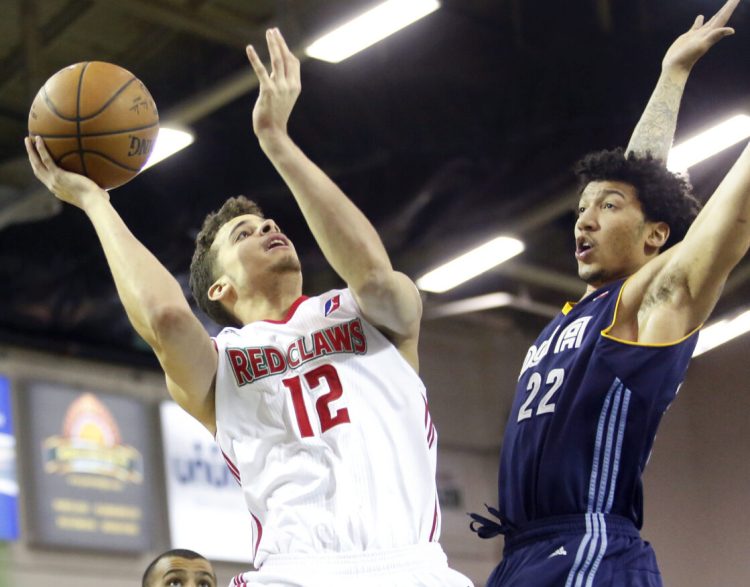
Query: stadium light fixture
{"points": [[168, 142], [722, 331], [470, 264], [369, 28], [708, 143]]}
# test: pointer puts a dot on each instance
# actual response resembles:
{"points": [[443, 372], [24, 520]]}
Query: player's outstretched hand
{"points": [[279, 90], [67, 186], [689, 47]]}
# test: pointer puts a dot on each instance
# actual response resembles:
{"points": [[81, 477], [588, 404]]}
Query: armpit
{"points": [[668, 287]]}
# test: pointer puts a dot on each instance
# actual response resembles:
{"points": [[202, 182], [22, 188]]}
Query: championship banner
{"points": [[207, 512], [89, 456], [8, 478]]}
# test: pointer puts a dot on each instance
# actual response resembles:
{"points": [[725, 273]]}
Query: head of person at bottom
{"points": [[243, 265], [179, 568], [630, 209]]}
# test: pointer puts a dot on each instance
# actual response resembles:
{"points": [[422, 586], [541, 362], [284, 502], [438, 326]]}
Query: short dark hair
{"points": [[664, 196], [202, 267], [177, 552]]}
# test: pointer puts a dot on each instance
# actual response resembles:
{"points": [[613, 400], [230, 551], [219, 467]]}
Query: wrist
{"points": [[676, 72], [274, 140], [93, 199]]}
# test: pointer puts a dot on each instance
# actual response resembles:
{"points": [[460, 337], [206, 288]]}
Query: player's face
{"points": [[610, 232], [175, 571], [251, 248]]}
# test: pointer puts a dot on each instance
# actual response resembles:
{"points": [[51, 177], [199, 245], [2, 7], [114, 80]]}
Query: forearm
{"points": [[655, 129], [144, 286], [348, 240]]}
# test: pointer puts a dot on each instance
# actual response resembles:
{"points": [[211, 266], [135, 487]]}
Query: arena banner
{"points": [[89, 455], [207, 512], [8, 475]]}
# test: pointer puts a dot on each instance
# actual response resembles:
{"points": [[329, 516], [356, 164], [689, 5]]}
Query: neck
{"points": [[271, 302]]}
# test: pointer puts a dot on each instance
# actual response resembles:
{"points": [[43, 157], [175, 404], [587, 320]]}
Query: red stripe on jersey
{"points": [[290, 312], [426, 411], [434, 521], [259, 534], [232, 467], [431, 437]]}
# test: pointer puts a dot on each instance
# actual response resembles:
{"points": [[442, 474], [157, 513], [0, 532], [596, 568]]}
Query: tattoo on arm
{"points": [[655, 130]]}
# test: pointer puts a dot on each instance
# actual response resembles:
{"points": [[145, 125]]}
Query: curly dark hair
{"points": [[202, 267], [177, 552], [664, 196]]}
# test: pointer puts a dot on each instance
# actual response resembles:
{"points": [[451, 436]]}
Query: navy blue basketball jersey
{"points": [[585, 415]]}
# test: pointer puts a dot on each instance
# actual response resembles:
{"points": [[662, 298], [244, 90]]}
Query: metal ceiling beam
{"points": [[224, 31], [222, 93], [14, 63], [31, 47], [542, 276]]}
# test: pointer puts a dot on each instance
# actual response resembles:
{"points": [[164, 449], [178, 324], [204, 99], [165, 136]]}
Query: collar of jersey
{"points": [[290, 312], [570, 305]]}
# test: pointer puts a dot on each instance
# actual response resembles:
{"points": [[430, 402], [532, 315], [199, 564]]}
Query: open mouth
{"points": [[275, 242], [583, 247]]}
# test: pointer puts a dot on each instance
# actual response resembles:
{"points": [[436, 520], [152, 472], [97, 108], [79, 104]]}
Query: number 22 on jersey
{"points": [[322, 375], [554, 380]]}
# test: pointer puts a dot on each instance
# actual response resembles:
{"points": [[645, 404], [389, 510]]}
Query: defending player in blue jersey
{"points": [[594, 385]]}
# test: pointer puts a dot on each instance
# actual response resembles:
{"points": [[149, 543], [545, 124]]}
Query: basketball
{"points": [[96, 119]]}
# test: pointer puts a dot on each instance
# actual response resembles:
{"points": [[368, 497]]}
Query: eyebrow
{"points": [[604, 194], [234, 229], [183, 572]]}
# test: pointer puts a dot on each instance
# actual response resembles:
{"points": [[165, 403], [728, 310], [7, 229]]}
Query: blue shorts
{"points": [[594, 550]]}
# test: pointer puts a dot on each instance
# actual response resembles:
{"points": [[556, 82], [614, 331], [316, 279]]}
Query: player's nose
{"points": [[267, 226], [586, 220]]}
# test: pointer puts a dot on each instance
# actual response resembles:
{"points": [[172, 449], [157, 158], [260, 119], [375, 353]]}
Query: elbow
{"points": [[374, 282], [166, 322]]}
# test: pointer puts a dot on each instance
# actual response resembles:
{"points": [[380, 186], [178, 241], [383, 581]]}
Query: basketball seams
{"points": [[78, 118], [99, 134], [102, 155], [108, 102]]}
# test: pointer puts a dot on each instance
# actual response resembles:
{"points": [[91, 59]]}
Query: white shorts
{"points": [[423, 565]]}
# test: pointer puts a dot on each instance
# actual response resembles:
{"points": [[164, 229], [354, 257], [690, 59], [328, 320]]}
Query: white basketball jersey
{"points": [[327, 429]]}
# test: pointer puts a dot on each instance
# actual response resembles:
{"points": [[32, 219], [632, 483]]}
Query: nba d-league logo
{"points": [[332, 305]]}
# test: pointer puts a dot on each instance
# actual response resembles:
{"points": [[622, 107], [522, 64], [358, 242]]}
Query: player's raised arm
{"points": [[684, 292], [349, 242], [655, 129], [152, 297]]}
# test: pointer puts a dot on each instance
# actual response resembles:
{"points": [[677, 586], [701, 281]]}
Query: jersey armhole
{"points": [[606, 332]]}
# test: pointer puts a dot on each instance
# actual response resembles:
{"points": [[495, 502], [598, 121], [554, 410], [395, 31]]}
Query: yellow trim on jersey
{"points": [[568, 307], [605, 332]]}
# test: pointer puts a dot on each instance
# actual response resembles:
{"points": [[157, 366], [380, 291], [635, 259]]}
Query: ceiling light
{"points": [[708, 143], [720, 332], [475, 304], [470, 264], [369, 28], [168, 142]]}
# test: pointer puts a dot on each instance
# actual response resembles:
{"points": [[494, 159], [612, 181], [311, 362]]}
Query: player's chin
{"points": [[591, 275], [287, 263]]}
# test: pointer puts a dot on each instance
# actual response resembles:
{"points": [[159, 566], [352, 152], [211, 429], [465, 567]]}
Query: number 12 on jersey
{"points": [[312, 380]]}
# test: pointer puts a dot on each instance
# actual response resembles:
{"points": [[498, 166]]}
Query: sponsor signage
{"points": [[89, 456], [8, 478], [207, 512]]}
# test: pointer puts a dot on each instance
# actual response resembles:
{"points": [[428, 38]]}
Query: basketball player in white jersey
{"points": [[315, 402]]}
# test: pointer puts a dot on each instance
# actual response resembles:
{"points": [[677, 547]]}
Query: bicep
{"points": [[391, 302]]}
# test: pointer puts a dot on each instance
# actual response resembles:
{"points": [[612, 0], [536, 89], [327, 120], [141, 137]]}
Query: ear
{"points": [[220, 290], [658, 235]]}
